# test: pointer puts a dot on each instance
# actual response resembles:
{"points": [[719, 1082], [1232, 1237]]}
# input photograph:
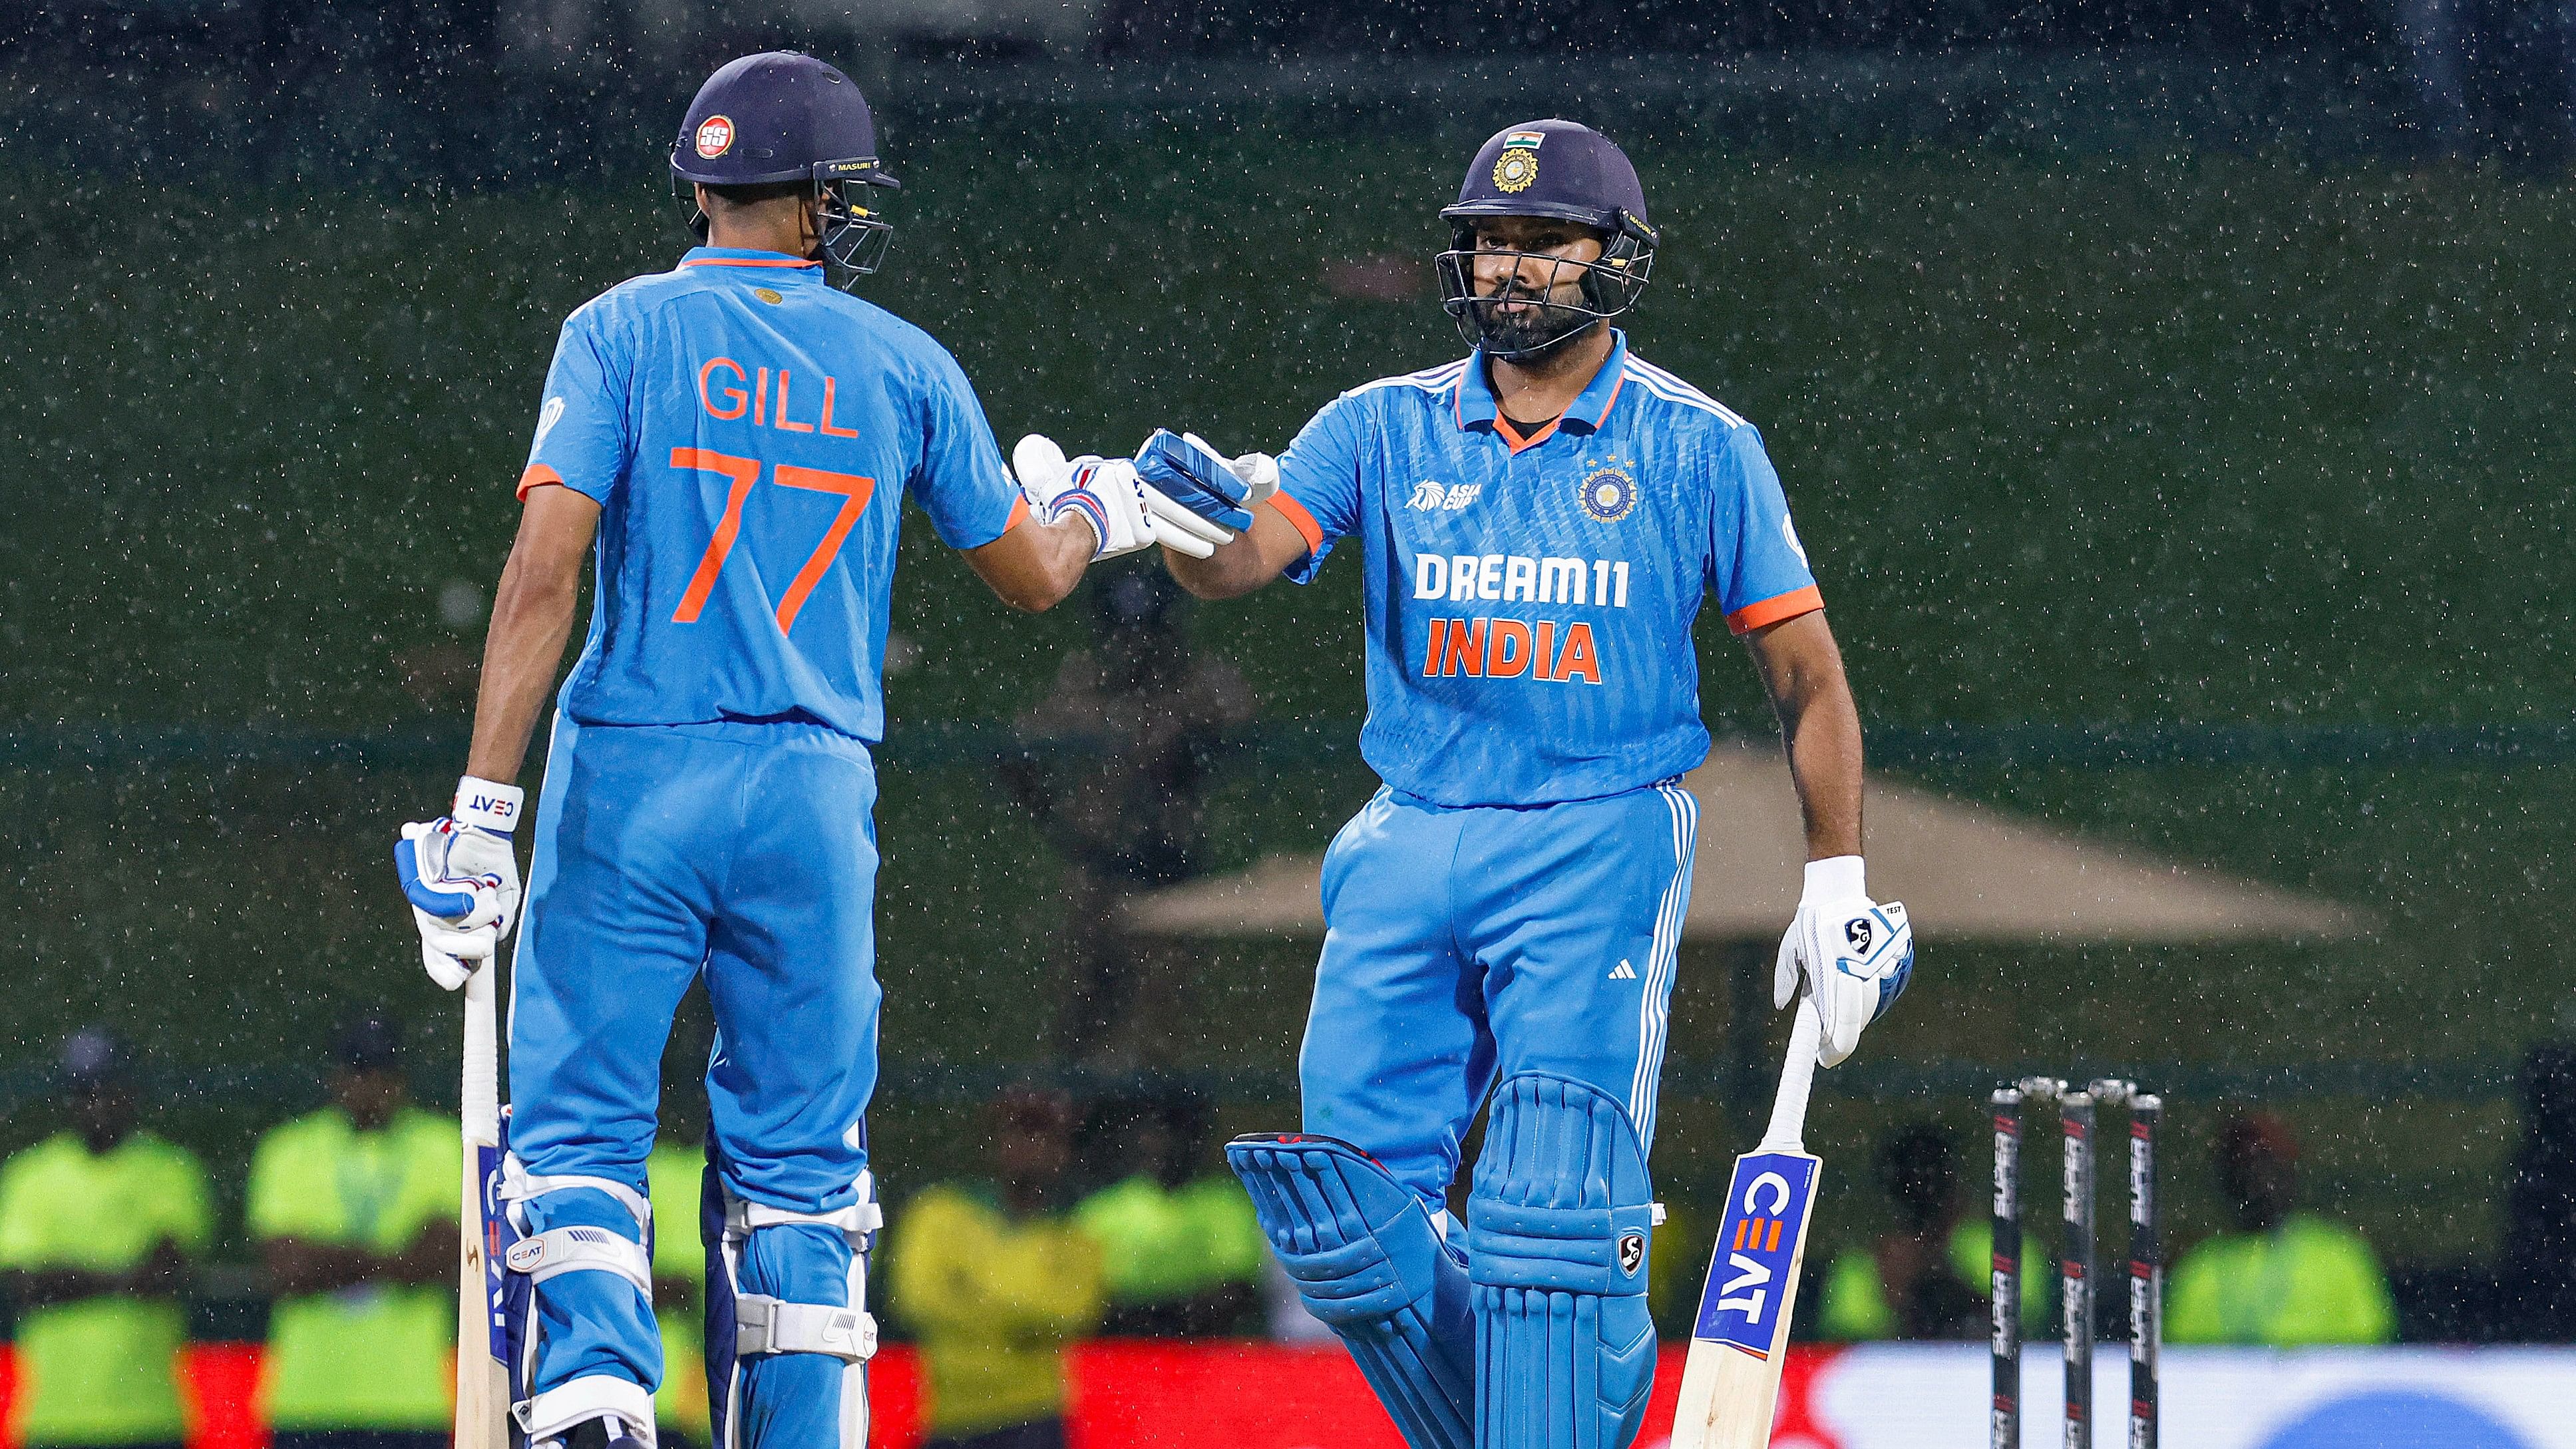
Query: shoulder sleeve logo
{"points": [[547, 416], [715, 136], [1789, 531]]}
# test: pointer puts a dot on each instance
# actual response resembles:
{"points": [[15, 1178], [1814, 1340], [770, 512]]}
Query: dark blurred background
{"points": [[2172, 393]]}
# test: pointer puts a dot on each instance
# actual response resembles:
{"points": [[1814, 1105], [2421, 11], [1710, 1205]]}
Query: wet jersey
{"points": [[1530, 599], [750, 434]]}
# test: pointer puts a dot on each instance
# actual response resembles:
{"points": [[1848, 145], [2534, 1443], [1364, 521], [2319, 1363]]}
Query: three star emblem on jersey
{"points": [[715, 136], [1608, 493]]}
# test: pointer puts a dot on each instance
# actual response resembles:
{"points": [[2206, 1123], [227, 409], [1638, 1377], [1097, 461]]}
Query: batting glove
{"points": [[1204, 482], [462, 879], [1854, 954], [1104, 491]]}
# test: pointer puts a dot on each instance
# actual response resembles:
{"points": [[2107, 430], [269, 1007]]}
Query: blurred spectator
{"points": [[2536, 1280], [995, 1281], [674, 1175], [355, 1206], [1180, 1248], [1117, 778], [1931, 1276], [2285, 1278], [97, 1226]]}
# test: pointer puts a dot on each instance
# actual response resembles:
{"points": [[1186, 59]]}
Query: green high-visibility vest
{"points": [[1158, 1246], [674, 1175], [101, 1370], [2307, 1281], [376, 1356]]}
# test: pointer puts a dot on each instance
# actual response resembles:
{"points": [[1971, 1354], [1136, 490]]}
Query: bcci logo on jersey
{"points": [[1608, 493], [1432, 496], [1749, 1281]]}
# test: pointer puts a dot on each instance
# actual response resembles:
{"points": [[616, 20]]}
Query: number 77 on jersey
{"points": [[1731, 1381]]}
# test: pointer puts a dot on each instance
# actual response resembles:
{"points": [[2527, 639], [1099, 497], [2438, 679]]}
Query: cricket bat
{"points": [[1731, 1381], [482, 1366]]}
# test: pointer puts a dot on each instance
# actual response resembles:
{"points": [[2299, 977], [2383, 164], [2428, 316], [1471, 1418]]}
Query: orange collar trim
{"points": [[746, 262]]}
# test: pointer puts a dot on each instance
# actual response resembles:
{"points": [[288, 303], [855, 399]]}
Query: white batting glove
{"points": [[1105, 491], [1258, 471], [462, 879], [1854, 954]]}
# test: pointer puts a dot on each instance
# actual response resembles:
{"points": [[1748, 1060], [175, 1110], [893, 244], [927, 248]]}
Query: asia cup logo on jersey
{"points": [[715, 136], [1517, 168], [1432, 496], [1608, 493]]}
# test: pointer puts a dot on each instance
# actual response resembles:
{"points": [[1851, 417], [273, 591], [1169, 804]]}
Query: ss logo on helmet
{"points": [[715, 136], [1632, 1253], [1858, 931]]}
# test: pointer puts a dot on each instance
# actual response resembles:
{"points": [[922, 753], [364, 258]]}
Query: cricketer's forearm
{"points": [[531, 620], [1802, 668], [1244, 563]]}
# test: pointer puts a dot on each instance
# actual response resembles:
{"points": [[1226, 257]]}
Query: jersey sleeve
{"points": [[1319, 483], [1756, 566], [961, 483], [583, 439]]}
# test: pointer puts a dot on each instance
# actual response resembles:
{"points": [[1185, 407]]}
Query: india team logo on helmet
{"points": [[1608, 493], [1516, 170], [715, 136]]}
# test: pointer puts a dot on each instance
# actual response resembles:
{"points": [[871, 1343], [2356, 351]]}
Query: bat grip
{"points": [[1797, 1077], [480, 1097]]}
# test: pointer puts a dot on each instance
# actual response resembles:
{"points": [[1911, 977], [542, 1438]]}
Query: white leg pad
{"points": [[769, 1325], [554, 1413]]}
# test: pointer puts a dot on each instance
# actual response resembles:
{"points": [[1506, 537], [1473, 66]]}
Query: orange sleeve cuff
{"points": [[1299, 519], [1772, 610], [1019, 515], [538, 476]]}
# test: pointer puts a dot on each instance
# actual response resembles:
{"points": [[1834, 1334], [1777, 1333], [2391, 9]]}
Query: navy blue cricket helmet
{"points": [[1561, 171], [780, 117]]}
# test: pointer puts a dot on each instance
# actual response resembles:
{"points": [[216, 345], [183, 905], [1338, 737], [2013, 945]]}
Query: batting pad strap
{"points": [[578, 1249], [519, 1185], [744, 1217], [773, 1325], [557, 1411]]}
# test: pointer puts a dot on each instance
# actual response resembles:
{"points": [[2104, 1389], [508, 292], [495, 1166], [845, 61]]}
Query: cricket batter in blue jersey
{"points": [[737, 437], [1539, 523]]}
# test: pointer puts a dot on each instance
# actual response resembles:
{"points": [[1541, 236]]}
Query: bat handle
{"points": [[480, 1097], [1797, 1077]]}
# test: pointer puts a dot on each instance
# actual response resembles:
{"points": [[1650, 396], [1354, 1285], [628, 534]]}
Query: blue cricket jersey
{"points": [[750, 433], [1530, 599]]}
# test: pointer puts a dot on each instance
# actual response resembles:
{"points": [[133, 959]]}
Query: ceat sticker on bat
{"points": [[1766, 1216]]}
